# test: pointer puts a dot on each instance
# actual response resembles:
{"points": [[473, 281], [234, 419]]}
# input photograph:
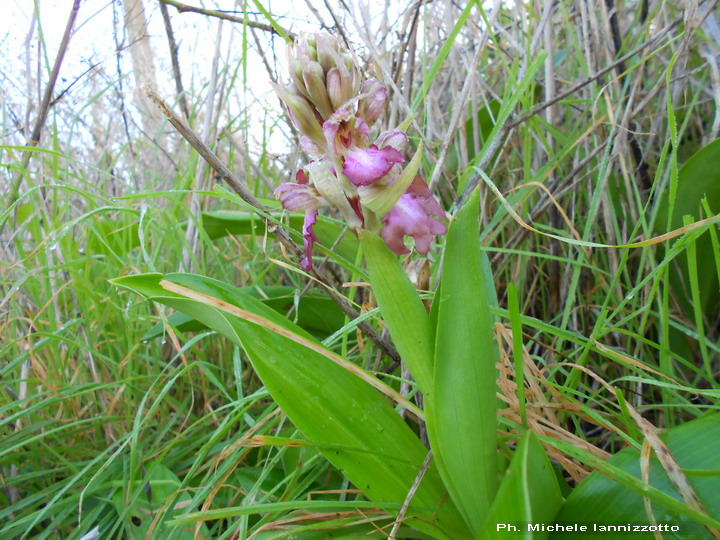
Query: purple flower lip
{"points": [[413, 216], [363, 166]]}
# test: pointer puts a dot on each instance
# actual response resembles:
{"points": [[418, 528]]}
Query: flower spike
{"points": [[365, 183]]}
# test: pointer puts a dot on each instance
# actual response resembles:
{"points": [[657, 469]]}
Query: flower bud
{"points": [[296, 74], [372, 105], [302, 113], [299, 196], [327, 51], [314, 79], [393, 137], [335, 88], [311, 148]]}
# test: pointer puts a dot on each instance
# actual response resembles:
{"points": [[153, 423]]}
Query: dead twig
{"points": [[182, 97], [184, 8]]}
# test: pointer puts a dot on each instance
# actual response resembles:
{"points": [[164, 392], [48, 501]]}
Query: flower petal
{"points": [[413, 216], [372, 105], [364, 166], [309, 238], [311, 148], [299, 196]]}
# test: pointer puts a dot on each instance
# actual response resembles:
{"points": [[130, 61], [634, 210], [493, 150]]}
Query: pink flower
{"points": [[363, 166], [413, 216]]}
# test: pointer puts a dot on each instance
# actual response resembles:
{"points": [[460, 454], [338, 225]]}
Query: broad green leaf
{"points": [[158, 494], [352, 424], [462, 420], [315, 312], [529, 493], [699, 177], [600, 500], [223, 222], [401, 308]]}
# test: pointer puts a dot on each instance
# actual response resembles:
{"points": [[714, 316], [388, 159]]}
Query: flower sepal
{"points": [[382, 198]]}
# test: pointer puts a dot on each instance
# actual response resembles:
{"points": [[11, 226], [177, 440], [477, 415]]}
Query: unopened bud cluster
{"points": [[335, 109]]}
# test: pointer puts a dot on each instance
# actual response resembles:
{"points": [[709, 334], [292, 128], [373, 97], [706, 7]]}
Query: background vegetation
{"points": [[589, 127]]}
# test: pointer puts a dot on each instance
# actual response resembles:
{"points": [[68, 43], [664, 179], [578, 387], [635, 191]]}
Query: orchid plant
{"points": [[365, 183]]}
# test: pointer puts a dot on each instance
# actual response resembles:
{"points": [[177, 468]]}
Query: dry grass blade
{"points": [[408, 499], [645, 452]]}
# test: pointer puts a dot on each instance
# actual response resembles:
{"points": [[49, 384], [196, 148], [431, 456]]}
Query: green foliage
{"points": [[462, 421], [529, 492], [698, 180], [138, 509], [190, 418], [349, 422], [600, 499]]}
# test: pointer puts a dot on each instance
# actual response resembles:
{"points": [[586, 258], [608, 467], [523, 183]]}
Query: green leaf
{"points": [[315, 312], [223, 222], [699, 177], [401, 308], [462, 419], [599, 499], [352, 424], [529, 493]]}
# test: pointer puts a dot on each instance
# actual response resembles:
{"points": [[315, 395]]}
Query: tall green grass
{"points": [[108, 424]]}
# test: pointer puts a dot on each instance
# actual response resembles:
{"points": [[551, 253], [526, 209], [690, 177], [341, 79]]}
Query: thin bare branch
{"points": [[34, 139], [184, 8]]}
